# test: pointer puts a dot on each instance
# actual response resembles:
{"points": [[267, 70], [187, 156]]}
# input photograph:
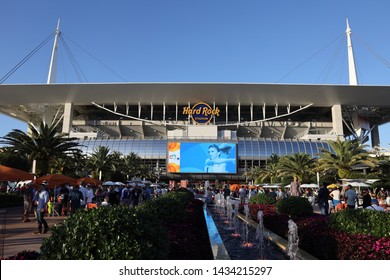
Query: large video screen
{"points": [[202, 157]]}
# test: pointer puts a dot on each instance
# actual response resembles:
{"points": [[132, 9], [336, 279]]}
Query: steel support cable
{"points": [[63, 67], [342, 65], [26, 58], [97, 60], [308, 59], [331, 63], [75, 64], [374, 52], [70, 60]]}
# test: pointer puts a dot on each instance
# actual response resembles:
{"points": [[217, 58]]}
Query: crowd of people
{"points": [[337, 198], [66, 199], [346, 197]]}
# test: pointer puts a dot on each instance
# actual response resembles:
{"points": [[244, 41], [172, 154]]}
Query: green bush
{"points": [[294, 206], [10, 200], [261, 198], [166, 209], [182, 196], [171, 207], [107, 233], [361, 221]]}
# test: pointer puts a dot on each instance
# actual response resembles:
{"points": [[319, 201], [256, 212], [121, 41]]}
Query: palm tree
{"points": [[73, 165], [344, 156], [384, 167], [100, 160], [43, 144], [253, 173], [132, 163], [10, 159], [301, 165], [270, 172]]}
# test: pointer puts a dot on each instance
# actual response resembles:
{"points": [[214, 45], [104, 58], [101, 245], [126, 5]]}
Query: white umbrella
{"points": [[359, 184], [313, 186], [271, 186], [21, 183], [109, 183]]}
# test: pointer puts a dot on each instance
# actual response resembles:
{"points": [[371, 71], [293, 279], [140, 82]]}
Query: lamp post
{"points": [[158, 172]]}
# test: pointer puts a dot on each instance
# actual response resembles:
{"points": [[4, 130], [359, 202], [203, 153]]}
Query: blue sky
{"points": [[197, 41]]}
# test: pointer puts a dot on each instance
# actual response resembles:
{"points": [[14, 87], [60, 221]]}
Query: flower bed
{"points": [[318, 238]]}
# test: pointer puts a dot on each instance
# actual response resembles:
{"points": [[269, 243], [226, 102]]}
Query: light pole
{"points": [[158, 172]]}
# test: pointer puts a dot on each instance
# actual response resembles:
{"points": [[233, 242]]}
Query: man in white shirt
{"points": [[242, 194], [83, 190], [125, 196], [89, 194]]}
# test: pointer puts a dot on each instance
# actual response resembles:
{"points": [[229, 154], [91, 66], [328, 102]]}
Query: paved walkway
{"points": [[19, 236]]}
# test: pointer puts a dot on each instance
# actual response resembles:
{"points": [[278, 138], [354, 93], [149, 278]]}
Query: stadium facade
{"points": [[259, 119]]}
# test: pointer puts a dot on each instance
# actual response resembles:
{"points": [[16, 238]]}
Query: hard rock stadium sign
{"points": [[201, 113]]}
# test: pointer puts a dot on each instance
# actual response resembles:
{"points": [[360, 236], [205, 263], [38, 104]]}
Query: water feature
{"points": [[293, 240], [260, 234], [233, 244], [246, 243], [219, 200], [236, 224], [229, 213]]}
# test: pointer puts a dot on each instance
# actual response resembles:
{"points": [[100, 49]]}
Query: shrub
{"points": [[166, 209], [170, 207], [10, 200], [116, 233], [267, 209], [294, 206], [182, 196], [316, 238], [261, 198], [362, 221], [25, 255]]}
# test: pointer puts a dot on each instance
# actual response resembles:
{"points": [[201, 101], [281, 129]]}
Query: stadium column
{"points": [[68, 117], [337, 121], [375, 140]]}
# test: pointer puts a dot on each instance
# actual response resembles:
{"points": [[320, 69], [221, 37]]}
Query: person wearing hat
{"points": [[41, 198]]}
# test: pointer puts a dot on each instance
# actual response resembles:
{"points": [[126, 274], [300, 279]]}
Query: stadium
{"points": [[255, 120]]}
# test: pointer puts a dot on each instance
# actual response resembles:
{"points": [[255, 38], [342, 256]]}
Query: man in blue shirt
{"points": [[41, 198], [350, 197]]}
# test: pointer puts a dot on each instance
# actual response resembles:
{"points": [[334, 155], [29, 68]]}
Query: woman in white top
{"points": [[335, 194]]}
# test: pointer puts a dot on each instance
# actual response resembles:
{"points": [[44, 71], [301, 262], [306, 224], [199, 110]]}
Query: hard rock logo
{"points": [[201, 113]]}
